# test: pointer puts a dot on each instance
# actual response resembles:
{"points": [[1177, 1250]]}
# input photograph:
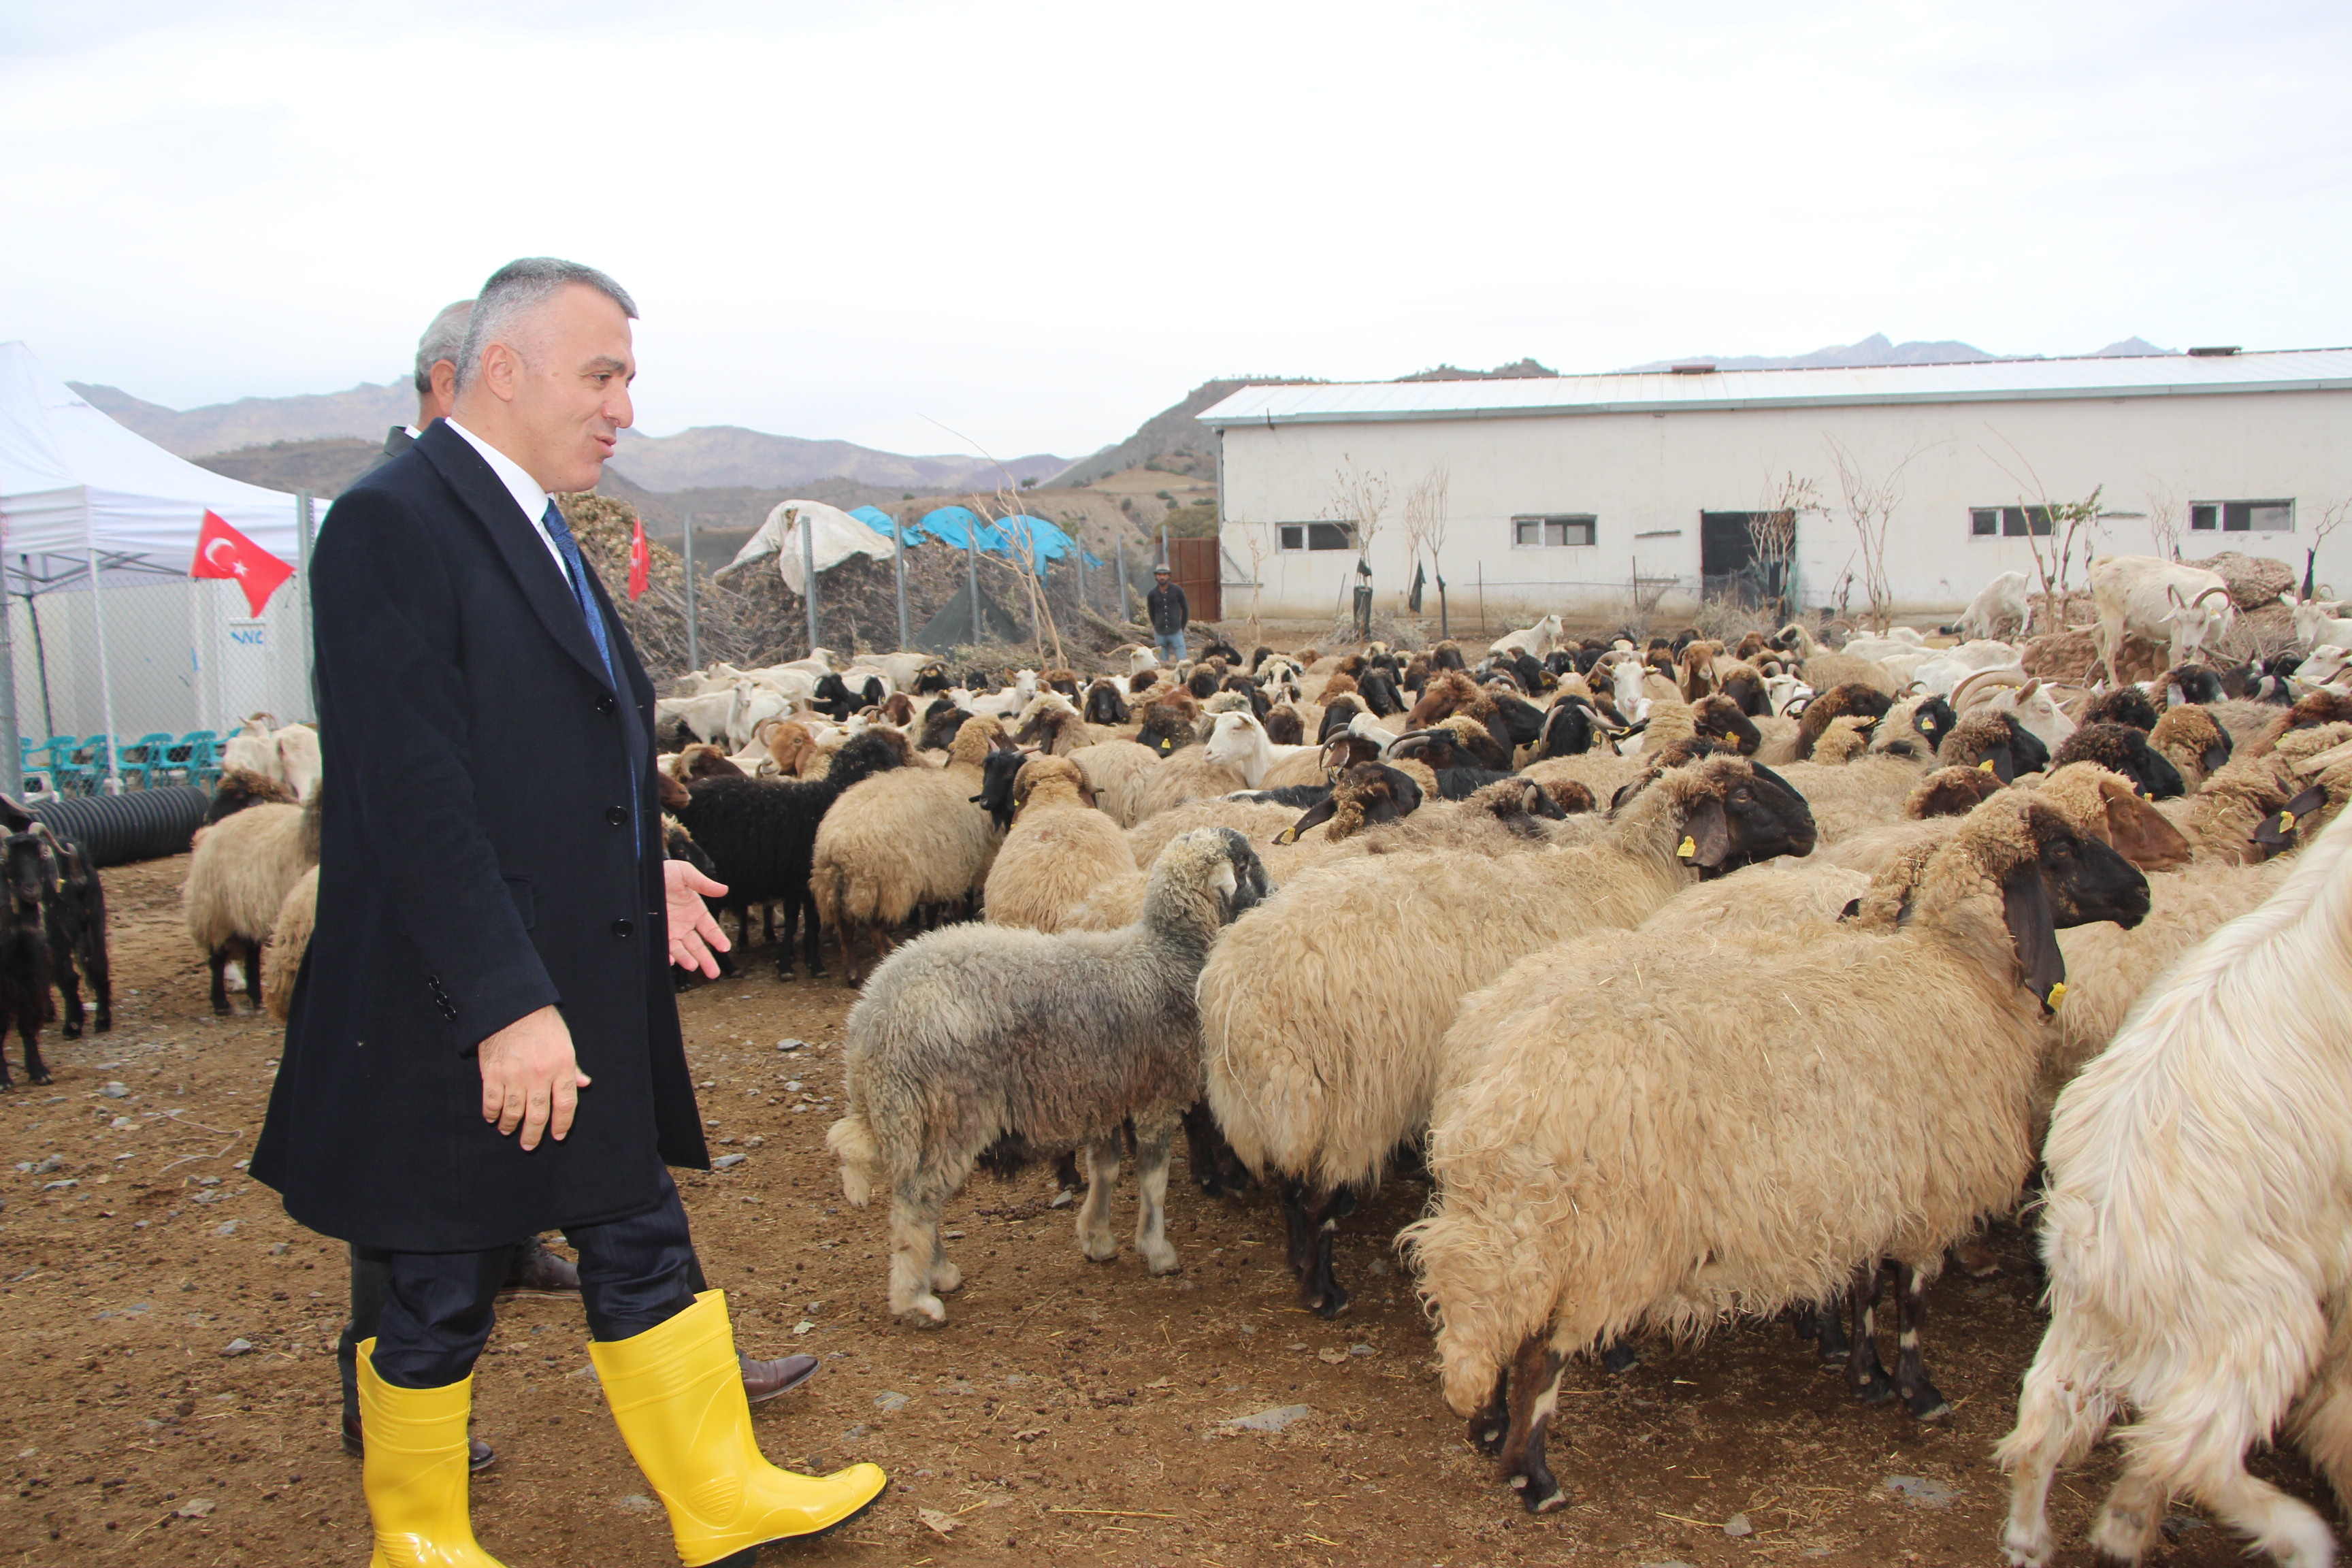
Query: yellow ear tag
{"points": [[2057, 995], [2286, 822], [1689, 848], [1985, 766], [1287, 836]]}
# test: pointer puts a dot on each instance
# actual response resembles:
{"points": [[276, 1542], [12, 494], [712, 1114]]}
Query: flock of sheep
{"points": [[1704, 982]]}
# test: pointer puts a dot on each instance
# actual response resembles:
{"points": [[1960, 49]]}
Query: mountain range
{"points": [[708, 456], [252, 434]]}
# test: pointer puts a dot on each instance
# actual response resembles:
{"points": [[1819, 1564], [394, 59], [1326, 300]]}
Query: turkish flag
{"points": [[641, 561], [223, 552]]}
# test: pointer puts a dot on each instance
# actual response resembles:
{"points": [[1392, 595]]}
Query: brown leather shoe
{"points": [[767, 1379], [479, 1456], [536, 1272]]}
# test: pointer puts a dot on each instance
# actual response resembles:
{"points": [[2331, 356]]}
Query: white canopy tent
{"points": [[85, 504]]}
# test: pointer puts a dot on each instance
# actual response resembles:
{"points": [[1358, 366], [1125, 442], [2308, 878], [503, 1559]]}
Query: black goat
{"points": [[941, 720], [1569, 730], [24, 951], [761, 836], [1222, 649], [73, 919], [997, 772], [1379, 690]]}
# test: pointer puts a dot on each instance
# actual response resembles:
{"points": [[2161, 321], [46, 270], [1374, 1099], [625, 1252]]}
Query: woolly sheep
{"points": [[288, 940], [1117, 772], [239, 877], [978, 1039], [1319, 1063], [1619, 1146], [902, 841], [2193, 1228], [2190, 738], [1059, 850]]}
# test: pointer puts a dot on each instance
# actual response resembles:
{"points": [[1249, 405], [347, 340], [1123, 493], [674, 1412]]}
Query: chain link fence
{"points": [[138, 684]]}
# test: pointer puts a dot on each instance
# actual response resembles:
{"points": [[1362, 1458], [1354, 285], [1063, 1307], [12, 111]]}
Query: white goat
{"points": [[1239, 741], [2316, 621], [2160, 600], [2024, 698], [1999, 603], [2199, 1201], [1536, 641]]}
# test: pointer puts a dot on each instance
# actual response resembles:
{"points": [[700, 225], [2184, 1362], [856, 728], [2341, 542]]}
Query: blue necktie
{"points": [[569, 548]]}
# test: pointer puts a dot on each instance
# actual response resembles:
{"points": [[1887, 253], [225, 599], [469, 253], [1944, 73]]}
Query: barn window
{"points": [[2014, 521], [2242, 516], [1984, 521], [1556, 531], [1315, 536]]}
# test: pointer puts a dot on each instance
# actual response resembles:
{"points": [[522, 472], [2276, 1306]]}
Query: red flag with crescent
{"points": [[223, 552], [641, 560]]}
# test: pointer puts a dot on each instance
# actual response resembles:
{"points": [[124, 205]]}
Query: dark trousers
{"points": [[431, 1312]]}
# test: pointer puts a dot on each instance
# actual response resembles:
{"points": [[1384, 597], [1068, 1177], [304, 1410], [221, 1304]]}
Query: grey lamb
{"points": [[1014, 1043]]}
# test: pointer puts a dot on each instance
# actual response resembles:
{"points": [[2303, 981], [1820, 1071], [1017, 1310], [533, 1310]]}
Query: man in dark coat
{"points": [[483, 1043], [1169, 613], [437, 379]]}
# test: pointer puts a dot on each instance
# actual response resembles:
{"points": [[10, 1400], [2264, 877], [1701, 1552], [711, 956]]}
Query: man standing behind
{"points": [[437, 378], [483, 1043], [1169, 615]]}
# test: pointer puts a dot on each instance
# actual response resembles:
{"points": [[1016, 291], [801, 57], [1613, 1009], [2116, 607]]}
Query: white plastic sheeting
{"points": [[834, 534]]}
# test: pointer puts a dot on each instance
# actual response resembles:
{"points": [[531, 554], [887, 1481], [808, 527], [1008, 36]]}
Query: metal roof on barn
{"points": [[1989, 381]]}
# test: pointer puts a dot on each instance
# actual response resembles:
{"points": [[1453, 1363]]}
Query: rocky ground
{"points": [[170, 1391]]}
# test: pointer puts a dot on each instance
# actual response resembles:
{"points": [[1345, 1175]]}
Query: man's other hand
{"points": [[694, 934], [531, 1078]]}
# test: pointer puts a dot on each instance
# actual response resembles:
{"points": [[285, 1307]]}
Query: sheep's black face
{"points": [[2153, 770], [1934, 719], [1250, 884], [2027, 750], [2218, 753], [2087, 880], [1723, 720], [1522, 720], [1748, 692], [2198, 684], [832, 695], [1765, 816], [1567, 730]]}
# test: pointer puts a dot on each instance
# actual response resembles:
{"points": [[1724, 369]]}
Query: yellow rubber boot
{"points": [[415, 1472], [677, 1393]]}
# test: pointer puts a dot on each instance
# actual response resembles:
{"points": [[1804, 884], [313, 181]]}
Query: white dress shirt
{"points": [[524, 487]]}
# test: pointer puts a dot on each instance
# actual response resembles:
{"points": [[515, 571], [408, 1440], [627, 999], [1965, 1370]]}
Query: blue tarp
{"points": [[881, 521], [1048, 541], [956, 525]]}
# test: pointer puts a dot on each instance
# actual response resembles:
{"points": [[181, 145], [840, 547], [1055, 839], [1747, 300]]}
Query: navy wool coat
{"points": [[481, 856]]}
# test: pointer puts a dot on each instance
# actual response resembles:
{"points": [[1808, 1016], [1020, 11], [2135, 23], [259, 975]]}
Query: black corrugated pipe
{"points": [[138, 825]]}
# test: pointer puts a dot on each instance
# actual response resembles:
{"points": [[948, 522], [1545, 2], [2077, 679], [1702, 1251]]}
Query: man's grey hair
{"points": [[515, 291], [444, 339]]}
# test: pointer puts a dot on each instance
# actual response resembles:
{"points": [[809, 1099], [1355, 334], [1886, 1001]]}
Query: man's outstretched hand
{"points": [[531, 1079], [694, 934]]}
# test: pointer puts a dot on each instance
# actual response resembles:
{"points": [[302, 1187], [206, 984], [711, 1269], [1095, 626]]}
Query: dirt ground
{"points": [[1068, 1412]]}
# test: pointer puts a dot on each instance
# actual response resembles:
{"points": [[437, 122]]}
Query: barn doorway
{"points": [[1728, 566]]}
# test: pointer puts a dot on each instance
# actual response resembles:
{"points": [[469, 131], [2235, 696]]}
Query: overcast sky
{"points": [[1035, 224]]}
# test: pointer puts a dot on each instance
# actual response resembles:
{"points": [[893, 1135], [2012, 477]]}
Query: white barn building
{"points": [[1558, 491]]}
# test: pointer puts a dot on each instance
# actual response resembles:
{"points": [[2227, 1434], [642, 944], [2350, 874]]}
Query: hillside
{"points": [[364, 412], [728, 455], [1875, 350], [323, 466], [1172, 439]]}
